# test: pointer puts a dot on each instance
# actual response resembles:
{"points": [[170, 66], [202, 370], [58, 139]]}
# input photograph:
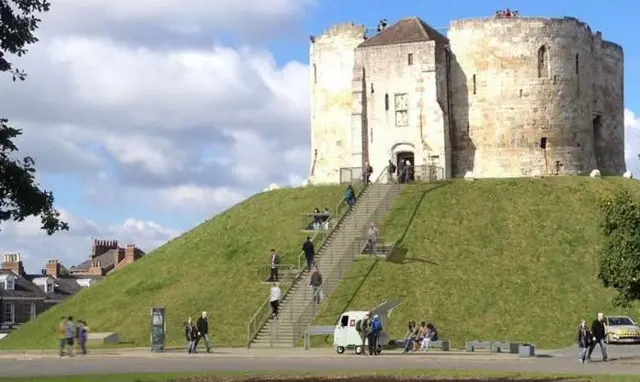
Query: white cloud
{"points": [[190, 197], [632, 142]]}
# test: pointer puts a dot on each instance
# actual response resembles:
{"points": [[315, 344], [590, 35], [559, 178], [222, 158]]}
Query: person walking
{"points": [[374, 335], [584, 341], [363, 329], [373, 237], [190, 335], [203, 332], [275, 263], [599, 334], [70, 334], [274, 299], [309, 252], [82, 334], [62, 335], [315, 281]]}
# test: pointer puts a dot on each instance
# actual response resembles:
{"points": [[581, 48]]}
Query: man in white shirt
{"points": [[275, 262], [274, 299]]}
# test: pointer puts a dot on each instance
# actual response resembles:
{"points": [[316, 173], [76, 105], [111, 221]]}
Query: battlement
{"points": [[12, 257], [342, 30], [551, 21]]}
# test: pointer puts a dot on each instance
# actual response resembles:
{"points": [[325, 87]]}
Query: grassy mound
{"points": [[215, 267], [512, 260]]}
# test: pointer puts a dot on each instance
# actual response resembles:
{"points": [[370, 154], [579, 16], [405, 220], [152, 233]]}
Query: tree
{"points": [[620, 257], [20, 195]]}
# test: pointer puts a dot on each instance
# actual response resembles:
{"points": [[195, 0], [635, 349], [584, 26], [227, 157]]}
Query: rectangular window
{"points": [[474, 84], [410, 59], [386, 101], [8, 313], [344, 321], [543, 143], [402, 108], [10, 284]]}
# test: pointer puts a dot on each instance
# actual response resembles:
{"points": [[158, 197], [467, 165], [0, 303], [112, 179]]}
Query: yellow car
{"points": [[621, 329]]}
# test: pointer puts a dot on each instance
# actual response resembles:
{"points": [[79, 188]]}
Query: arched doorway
{"points": [[406, 166]]}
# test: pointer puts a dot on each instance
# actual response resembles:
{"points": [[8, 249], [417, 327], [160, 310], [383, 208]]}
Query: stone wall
{"points": [[402, 112], [331, 61], [528, 100]]}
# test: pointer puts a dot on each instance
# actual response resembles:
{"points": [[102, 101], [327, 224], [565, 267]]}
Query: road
{"points": [[625, 361]]}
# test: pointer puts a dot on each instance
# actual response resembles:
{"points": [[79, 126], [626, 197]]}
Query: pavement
{"points": [[625, 360]]}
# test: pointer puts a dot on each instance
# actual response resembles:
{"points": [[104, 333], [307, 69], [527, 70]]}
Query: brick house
{"points": [[23, 296]]}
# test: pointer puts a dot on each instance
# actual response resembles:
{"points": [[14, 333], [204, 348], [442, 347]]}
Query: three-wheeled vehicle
{"points": [[345, 335]]}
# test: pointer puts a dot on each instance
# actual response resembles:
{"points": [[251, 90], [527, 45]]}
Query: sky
{"points": [[148, 117]]}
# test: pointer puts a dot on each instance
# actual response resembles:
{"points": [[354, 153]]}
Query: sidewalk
{"points": [[255, 353]]}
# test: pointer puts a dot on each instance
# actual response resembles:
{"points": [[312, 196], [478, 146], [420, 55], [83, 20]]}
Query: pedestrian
{"points": [[373, 237], [374, 335], [309, 252], [82, 334], [315, 281], [363, 329], [70, 334], [275, 263], [203, 332], [190, 335], [599, 334], [62, 335], [274, 299], [584, 341], [391, 169], [350, 197]]}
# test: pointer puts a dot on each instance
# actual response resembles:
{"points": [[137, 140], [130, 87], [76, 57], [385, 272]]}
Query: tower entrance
{"points": [[405, 162]]}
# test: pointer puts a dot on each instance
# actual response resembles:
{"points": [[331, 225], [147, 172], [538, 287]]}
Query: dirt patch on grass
{"points": [[372, 378]]}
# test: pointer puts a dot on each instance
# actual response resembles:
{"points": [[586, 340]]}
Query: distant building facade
{"points": [[498, 97], [23, 296]]}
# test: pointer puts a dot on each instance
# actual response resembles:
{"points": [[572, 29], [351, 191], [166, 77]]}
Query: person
{"points": [[203, 332], [274, 299], [374, 335], [317, 219], [190, 335], [275, 262], [70, 334], [391, 169], [408, 337], [315, 281], [401, 171], [309, 252], [62, 334], [584, 340], [82, 334], [368, 170], [373, 237], [362, 327], [431, 335], [350, 197], [599, 334]]}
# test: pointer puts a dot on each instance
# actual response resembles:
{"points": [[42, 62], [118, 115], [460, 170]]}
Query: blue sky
{"points": [[146, 121]]}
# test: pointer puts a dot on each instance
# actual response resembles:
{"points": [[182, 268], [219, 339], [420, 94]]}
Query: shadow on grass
{"points": [[399, 253]]}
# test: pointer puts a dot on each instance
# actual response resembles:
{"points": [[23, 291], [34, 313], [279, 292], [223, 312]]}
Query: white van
{"points": [[345, 335]]}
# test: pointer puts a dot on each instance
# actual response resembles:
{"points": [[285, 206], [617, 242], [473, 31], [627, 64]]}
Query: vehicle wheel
{"points": [[358, 349], [340, 349]]}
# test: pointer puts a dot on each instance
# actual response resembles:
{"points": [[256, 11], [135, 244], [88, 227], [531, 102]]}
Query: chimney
{"points": [[100, 247], [53, 268], [130, 253], [13, 262], [96, 269]]}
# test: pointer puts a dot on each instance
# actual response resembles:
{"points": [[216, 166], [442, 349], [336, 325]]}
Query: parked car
{"points": [[621, 329]]}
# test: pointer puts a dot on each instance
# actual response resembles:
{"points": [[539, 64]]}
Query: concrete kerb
{"points": [[256, 353]]}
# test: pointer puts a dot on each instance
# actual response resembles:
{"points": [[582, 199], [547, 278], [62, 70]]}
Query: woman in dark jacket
{"points": [[584, 340], [191, 335]]}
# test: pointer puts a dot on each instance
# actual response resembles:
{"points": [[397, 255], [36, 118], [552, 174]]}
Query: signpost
{"points": [[158, 330]]}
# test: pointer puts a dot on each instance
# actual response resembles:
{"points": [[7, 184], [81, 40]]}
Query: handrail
{"points": [[252, 333]]}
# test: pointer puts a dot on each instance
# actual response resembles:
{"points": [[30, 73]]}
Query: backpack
{"points": [[392, 168], [276, 259], [359, 326], [376, 326]]}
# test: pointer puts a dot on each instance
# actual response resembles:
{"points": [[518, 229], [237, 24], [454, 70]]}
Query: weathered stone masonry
{"points": [[500, 97]]}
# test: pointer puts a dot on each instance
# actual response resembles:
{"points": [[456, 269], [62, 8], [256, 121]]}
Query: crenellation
{"points": [[497, 97]]}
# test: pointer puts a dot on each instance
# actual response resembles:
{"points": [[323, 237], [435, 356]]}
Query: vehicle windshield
{"points": [[618, 321]]}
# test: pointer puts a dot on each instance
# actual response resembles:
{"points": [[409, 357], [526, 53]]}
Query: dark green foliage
{"points": [[620, 260], [20, 196]]}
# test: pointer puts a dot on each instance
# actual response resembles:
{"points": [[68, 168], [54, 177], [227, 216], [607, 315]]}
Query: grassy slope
{"points": [[493, 259], [214, 267]]}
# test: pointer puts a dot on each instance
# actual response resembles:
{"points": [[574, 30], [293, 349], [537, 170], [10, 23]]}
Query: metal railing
{"points": [[373, 208], [418, 174], [283, 269], [263, 313], [351, 175], [381, 248], [316, 221]]}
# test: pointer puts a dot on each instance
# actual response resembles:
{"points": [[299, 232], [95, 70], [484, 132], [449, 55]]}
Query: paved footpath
{"points": [[141, 360]]}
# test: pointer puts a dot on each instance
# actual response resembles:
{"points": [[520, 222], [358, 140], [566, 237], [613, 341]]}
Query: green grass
{"points": [[427, 373], [512, 260], [215, 267]]}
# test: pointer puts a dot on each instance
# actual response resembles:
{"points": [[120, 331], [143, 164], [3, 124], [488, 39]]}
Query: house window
{"points": [[543, 62], [474, 84], [386, 101], [8, 313], [401, 104], [48, 287], [10, 283], [410, 59]]}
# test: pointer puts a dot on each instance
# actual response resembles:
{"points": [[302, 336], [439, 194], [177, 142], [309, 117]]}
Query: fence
{"points": [[419, 174], [351, 175]]}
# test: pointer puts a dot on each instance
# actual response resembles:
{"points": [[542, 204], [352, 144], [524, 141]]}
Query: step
{"points": [[260, 345]]}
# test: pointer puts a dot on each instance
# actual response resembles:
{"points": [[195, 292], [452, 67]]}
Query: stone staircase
{"points": [[297, 309]]}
